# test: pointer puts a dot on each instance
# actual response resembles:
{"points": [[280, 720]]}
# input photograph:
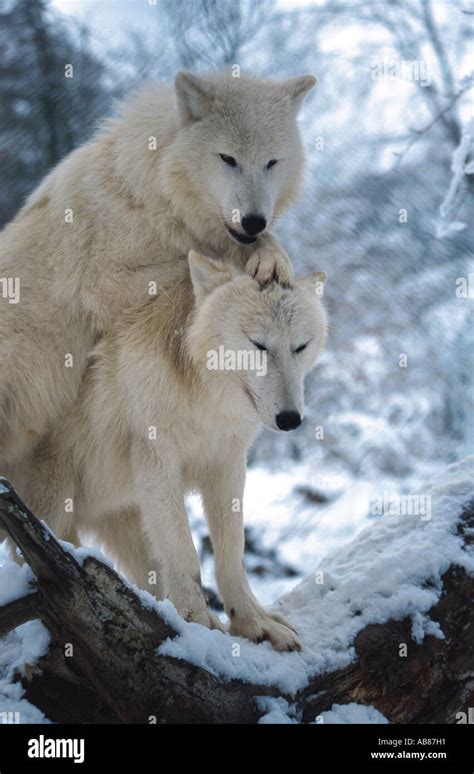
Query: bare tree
{"points": [[43, 113], [214, 32], [418, 35]]}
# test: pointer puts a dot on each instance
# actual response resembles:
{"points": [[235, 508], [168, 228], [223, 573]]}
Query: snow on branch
{"points": [[462, 165]]}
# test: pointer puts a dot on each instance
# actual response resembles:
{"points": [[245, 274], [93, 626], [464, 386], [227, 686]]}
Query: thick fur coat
{"points": [[121, 212], [152, 422]]}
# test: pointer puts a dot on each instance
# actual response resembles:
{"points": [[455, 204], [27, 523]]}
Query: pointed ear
{"points": [[193, 96], [297, 88], [314, 282], [206, 274]]}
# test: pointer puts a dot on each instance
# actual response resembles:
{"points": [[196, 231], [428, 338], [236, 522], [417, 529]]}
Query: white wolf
{"points": [[152, 422], [210, 165]]}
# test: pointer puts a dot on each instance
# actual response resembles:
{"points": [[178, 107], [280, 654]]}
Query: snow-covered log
{"points": [[103, 663], [387, 621]]}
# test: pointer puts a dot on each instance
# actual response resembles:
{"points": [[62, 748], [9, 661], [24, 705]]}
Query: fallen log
{"points": [[112, 673], [112, 638]]}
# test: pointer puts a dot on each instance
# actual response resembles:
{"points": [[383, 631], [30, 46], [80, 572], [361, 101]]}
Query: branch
{"points": [[18, 612], [418, 133]]}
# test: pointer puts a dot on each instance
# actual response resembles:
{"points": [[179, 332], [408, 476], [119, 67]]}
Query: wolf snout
{"points": [[288, 420], [253, 224]]}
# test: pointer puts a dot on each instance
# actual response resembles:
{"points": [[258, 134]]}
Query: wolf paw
{"points": [[267, 264], [262, 625], [191, 605], [203, 617]]}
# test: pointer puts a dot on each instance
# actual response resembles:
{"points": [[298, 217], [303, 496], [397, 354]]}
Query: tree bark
{"points": [[103, 667]]}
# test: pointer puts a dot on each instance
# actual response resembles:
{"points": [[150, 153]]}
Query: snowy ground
{"points": [[298, 516], [361, 567]]}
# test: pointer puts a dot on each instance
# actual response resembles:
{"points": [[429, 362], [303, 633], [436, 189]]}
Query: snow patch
{"points": [[15, 581], [277, 711], [20, 648], [352, 713]]}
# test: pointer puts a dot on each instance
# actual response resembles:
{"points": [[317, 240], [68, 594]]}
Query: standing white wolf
{"points": [[209, 165], [153, 421]]}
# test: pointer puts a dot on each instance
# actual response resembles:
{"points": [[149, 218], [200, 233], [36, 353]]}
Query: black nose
{"points": [[288, 420], [253, 224]]}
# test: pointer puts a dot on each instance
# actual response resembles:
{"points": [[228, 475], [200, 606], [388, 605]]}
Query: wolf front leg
{"points": [[165, 522], [222, 496]]}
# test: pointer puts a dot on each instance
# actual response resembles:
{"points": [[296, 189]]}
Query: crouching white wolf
{"points": [[153, 421]]}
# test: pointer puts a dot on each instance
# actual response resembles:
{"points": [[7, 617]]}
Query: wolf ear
{"points": [[193, 95], [206, 274], [297, 88], [314, 282]]}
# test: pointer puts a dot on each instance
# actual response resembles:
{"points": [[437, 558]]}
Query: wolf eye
{"points": [[259, 346], [300, 348], [228, 160], [272, 163]]}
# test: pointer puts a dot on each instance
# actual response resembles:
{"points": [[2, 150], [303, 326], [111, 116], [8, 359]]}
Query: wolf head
{"points": [[238, 150], [254, 345]]}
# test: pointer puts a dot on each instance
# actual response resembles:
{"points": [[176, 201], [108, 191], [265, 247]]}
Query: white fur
{"points": [[149, 187], [152, 422]]}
